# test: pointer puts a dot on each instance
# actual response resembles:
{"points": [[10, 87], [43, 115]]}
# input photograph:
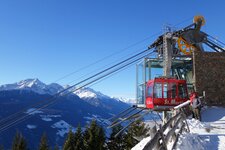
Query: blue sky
{"points": [[48, 39]]}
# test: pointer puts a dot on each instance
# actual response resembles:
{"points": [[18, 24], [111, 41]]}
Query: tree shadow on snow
{"points": [[211, 141], [212, 114]]}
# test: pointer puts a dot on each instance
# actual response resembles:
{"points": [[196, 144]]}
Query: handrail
{"points": [[161, 139]]}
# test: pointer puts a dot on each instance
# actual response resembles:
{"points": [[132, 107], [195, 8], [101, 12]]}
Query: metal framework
{"points": [[174, 50]]}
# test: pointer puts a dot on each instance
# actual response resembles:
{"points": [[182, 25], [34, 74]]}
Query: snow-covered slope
{"points": [[89, 93], [126, 100], [39, 87], [34, 85], [67, 112], [209, 134], [97, 99]]}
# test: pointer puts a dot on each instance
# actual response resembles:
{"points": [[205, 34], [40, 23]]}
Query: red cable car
{"points": [[163, 93]]}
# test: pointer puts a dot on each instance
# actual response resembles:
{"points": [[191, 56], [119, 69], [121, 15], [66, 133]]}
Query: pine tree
{"points": [[135, 132], [140, 129], [78, 139], [19, 142], [116, 143], [94, 137], [44, 143], [129, 140], [1, 147], [101, 138], [86, 137], [69, 143]]}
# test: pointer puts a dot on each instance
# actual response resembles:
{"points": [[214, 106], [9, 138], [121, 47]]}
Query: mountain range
{"points": [[67, 111]]}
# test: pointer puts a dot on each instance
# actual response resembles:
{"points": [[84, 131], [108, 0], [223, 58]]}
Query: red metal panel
{"points": [[151, 101]]}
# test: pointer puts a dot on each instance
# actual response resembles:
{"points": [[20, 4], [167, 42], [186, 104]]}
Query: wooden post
{"points": [[162, 137], [153, 131], [185, 119]]}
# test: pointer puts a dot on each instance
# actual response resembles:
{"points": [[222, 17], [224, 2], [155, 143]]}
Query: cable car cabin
{"points": [[164, 93]]}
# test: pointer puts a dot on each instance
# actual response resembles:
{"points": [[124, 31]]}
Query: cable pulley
{"points": [[184, 47]]}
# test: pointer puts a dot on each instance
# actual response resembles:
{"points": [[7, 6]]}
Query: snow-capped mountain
{"points": [[67, 112], [89, 93], [93, 97], [125, 100], [34, 85]]}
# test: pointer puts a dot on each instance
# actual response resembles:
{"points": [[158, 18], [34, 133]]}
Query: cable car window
{"points": [[165, 90], [158, 90], [150, 91], [182, 91], [173, 90]]}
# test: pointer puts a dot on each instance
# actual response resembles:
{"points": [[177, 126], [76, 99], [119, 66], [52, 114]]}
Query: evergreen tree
{"points": [[78, 139], [116, 143], [129, 140], [136, 132], [44, 143], [94, 137], [70, 142], [140, 129], [19, 142], [1, 147], [86, 137], [101, 138]]}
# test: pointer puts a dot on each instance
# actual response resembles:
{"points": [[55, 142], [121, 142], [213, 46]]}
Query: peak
{"points": [[89, 93], [30, 83], [35, 80], [85, 93], [34, 85], [125, 100], [31, 79]]}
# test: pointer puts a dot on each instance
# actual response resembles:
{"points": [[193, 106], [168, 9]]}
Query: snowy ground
{"points": [[206, 135]]}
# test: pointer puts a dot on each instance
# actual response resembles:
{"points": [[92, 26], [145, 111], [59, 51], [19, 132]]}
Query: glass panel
{"points": [[140, 84], [156, 72], [148, 70], [185, 92], [165, 90], [140, 74], [150, 91], [182, 91], [140, 94], [173, 90], [147, 73], [158, 90]]}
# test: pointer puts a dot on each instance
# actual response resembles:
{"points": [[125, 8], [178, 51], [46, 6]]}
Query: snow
{"points": [[190, 141], [46, 119], [34, 85], [61, 124], [30, 126], [125, 100], [97, 118], [209, 134], [63, 127], [91, 96], [54, 88], [141, 144], [49, 117], [89, 93], [33, 111]]}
